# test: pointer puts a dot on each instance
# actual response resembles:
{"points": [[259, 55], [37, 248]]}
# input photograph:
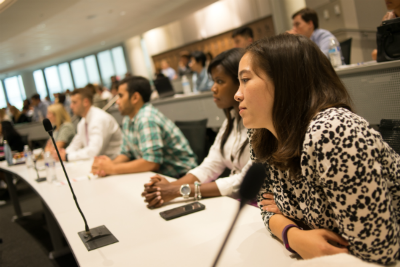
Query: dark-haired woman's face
{"points": [[255, 96], [224, 88]]}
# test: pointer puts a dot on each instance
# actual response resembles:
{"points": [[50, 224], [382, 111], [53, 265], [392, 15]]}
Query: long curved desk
{"points": [[145, 239]]}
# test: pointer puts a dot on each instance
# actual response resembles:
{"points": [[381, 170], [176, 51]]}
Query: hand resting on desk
{"points": [[158, 191]]}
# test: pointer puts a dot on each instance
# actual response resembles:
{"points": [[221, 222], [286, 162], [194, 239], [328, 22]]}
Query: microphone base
{"points": [[41, 179], [99, 237]]}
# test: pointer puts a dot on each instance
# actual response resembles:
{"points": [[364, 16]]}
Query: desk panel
{"points": [[374, 89], [192, 107], [145, 239]]}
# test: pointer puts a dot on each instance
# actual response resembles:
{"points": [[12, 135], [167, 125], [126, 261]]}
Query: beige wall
{"points": [[358, 20]]}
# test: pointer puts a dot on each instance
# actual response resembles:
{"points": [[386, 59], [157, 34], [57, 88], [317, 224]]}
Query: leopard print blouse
{"points": [[350, 184]]}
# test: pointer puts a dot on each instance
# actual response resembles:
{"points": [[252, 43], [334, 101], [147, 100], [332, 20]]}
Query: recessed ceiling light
{"points": [[47, 47], [122, 13]]}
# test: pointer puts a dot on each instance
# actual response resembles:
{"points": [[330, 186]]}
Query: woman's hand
{"points": [[161, 193], [158, 191], [268, 203], [316, 243]]}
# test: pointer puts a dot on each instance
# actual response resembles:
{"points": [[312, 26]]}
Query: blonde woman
{"points": [[64, 131]]}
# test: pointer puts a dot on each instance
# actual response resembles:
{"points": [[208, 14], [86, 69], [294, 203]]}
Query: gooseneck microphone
{"points": [[251, 185], [92, 238]]}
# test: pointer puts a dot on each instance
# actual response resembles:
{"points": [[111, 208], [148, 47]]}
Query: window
{"points": [[13, 90], [119, 61], [106, 67], [3, 102], [79, 73], [92, 71], [40, 84], [21, 87], [53, 81], [65, 77]]}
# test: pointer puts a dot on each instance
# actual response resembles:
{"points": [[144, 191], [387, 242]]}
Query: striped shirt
{"points": [[153, 137]]}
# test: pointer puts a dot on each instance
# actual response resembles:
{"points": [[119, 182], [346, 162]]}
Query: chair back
{"points": [[345, 46], [390, 131], [195, 133]]}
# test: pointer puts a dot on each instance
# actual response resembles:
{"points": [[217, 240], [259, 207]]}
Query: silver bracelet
{"points": [[197, 193]]}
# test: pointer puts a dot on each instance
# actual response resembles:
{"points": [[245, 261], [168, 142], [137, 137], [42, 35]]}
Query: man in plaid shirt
{"points": [[151, 142]]}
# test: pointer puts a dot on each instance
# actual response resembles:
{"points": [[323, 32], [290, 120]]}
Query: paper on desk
{"points": [[90, 176], [342, 260]]}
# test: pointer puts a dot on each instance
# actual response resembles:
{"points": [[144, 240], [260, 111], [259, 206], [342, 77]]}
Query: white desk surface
{"points": [[145, 239]]}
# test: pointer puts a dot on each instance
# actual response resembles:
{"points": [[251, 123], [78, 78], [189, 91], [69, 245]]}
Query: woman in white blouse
{"points": [[230, 149]]}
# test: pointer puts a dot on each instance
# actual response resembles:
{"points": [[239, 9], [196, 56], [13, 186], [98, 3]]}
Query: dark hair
{"points": [[61, 98], [36, 97], [90, 87], [199, 57], [243, 31], [305, 84], [229, 60], [308, 14], [84, 92], [13, 138], [138, 84]]}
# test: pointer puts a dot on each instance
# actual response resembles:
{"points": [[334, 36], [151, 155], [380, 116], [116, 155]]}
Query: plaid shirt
{"points": [[155, 138]]}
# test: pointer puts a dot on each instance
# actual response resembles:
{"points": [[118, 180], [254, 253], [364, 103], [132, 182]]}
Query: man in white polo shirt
{"points": [[98, 133]]}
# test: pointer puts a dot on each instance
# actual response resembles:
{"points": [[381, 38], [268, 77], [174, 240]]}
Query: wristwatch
{"points": [[185, 191]]}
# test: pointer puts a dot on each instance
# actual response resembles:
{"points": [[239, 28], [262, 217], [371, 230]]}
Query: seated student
{"points": [[167, 70], [201, 80], [18, 116], [328, 171], [151, 142], [98, 132], [230, 149], [183, 64], [39, 108], [243, 37], [305, 22], [65, 130]]}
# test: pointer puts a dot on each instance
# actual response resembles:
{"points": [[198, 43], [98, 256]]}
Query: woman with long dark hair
{"points": [[230, 149], [334, 180]]}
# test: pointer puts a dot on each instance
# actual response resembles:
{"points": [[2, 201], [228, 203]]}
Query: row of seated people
{"points": [[332, 183], [305, 22]]}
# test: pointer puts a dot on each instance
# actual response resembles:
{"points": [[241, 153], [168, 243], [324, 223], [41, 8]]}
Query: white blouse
{"points": [[215, 163]]}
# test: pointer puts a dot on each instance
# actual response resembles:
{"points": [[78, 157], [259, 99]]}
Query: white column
{"points": [[282, 11]]}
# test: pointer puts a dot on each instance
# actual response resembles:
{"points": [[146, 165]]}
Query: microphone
{"points": [[249, 188], [92, 238]]}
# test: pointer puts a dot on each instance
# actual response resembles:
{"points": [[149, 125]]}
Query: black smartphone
{"points": [[42, 179], [182, 210]]}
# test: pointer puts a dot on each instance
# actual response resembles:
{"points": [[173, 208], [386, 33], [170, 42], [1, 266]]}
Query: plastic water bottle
{"points": [[28, 156], [8, 153], [186, 85], [334, 53], [50, 164]]}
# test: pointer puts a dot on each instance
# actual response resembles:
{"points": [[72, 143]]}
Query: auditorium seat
{"points": [[195, 133]]}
